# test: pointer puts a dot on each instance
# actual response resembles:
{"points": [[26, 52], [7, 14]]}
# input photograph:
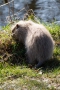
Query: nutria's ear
{"points": [[17, 26]]}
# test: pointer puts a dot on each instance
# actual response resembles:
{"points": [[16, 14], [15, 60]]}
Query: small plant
{"points": [[31, 16]]}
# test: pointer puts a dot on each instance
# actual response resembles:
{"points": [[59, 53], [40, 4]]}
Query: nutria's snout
{"points": [[13, 36]]}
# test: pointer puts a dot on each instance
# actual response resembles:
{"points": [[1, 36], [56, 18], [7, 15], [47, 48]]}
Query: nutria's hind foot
{"points": [[30, 66], [39, 64]]}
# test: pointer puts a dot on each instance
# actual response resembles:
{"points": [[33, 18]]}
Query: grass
{"points": [[15, 74], [14, 71]]}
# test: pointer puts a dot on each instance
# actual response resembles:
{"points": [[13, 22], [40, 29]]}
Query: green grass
{"points": [[24, 77], [54, 30], [14, 69], [7, 70]]}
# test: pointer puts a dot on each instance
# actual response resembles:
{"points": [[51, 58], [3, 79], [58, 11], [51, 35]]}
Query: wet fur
{"points": [[37, 40]]}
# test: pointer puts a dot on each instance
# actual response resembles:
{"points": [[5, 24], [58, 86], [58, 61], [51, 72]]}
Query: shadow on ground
{"points": [[51, 64]]}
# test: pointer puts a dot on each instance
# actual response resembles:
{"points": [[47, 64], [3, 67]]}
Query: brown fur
{"points": [[37, 40]]}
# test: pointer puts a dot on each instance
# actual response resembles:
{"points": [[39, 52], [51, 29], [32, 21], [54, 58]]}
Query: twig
{"points": [[6, 3]]}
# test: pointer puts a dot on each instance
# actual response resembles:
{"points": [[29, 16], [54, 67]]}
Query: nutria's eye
{"points": [[17, 26]]}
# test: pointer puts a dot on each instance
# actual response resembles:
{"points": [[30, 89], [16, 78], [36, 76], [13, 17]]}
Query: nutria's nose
{"points": [[12, 35]]}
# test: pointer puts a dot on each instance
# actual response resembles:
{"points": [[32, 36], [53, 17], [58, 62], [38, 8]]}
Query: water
{"points": [[46, 10]]}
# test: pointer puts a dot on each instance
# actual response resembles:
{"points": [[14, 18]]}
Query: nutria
{"points": [[38, 41]]}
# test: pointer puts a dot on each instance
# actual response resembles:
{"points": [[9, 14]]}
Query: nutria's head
{"points": [[15, 32], [19, 31]]}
